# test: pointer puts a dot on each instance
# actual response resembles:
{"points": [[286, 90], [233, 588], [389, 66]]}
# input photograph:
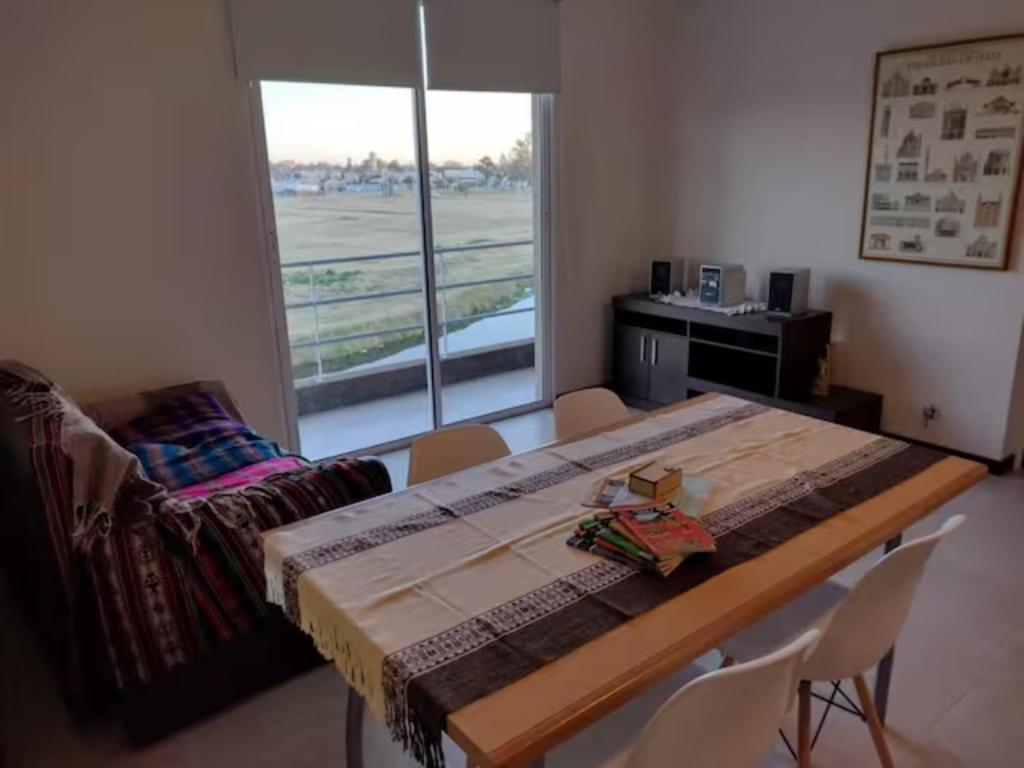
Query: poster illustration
{"points": [[945, 153]]}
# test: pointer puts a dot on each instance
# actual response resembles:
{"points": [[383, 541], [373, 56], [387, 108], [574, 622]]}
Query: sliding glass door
{"points": [[482, 184], [396, 213]]}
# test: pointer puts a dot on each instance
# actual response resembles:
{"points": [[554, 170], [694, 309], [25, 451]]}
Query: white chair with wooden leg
{"points": [[724, 719], [452, 449], [587, 409], [856, 630]]}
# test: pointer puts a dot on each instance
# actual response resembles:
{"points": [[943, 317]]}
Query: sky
{"points": [[310, 122]]}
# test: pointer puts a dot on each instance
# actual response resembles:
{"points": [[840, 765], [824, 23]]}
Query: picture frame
{"points": [[945, 147]]}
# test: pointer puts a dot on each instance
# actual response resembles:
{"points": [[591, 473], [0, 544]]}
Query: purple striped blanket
{"points": [[191, 440]]}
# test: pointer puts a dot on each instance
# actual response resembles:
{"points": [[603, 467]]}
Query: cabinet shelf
{"points": [[734, 347]]}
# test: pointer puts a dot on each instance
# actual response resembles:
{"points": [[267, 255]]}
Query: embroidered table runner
{"points": [[431, 598]]}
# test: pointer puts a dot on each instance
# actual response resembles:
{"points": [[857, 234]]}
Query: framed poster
{"points": [[945, 153]]}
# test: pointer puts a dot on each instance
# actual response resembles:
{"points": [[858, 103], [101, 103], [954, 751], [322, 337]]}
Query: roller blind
{"points": [[359, 42], [493, 45]]}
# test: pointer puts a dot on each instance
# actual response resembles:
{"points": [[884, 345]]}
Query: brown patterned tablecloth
{"points": [[434, 597]]}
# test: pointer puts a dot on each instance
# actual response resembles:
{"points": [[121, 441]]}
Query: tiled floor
{"points": [[354, 427], [956, 697]]}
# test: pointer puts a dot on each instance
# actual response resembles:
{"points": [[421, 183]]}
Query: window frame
{"points": [[545, 132]]}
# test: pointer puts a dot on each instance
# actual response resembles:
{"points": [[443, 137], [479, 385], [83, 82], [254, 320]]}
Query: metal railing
{"points": [[315, 302]]}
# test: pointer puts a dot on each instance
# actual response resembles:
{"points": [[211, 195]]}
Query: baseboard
{"points": [[995, 466]]}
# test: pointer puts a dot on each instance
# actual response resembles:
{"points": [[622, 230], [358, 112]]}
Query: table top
{"points": [[408, 592], [528, 718]]}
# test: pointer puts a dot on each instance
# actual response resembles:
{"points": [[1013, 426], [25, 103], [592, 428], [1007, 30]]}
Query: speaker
{"points": [[787, 291], [667, 276], [723, 285]]}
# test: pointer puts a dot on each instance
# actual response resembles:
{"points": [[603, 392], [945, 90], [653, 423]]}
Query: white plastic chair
{"points": [[858, 627], [724, 719], [449, 450], [587, 409]]}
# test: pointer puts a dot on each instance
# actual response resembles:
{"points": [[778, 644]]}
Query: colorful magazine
{"points": [[655, 539], [665, 531]]}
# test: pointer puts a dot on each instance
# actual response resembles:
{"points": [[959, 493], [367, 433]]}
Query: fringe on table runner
{"points": [[275, 585], [388, 699], [418, 736]]}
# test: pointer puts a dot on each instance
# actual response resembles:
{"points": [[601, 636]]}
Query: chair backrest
{"points": [[869, 619], [453, 448], [725, 719], [587, 409]]}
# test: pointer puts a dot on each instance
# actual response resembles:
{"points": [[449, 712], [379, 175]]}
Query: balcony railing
{"points": [[316, 303]]}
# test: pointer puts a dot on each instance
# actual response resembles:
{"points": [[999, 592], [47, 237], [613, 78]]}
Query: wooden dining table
{"points": [[523, 720]]}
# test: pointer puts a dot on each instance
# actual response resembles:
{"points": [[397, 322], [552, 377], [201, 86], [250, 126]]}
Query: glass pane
{"points": [[344, 181], [483, 203]]}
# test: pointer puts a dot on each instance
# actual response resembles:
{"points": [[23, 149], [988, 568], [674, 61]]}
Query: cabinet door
{"points": [[668, 357], [630, 361]]}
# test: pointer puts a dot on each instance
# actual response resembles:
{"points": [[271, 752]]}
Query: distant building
{"points": [[1006, 76], [986, 212], [296, 187], [896, 86], [910, 146], [965, 167], [883, 129], [950, 203], [464, 175], [982, 248], [879, 241], [883, 171], [925, 87], [998, 163], [954, 122]]}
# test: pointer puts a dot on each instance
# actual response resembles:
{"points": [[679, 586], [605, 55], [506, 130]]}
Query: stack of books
{"points": [[655, 538]]}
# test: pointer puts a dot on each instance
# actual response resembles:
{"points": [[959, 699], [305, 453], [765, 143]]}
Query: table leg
{"points": [[354, 730], [883, 675]]}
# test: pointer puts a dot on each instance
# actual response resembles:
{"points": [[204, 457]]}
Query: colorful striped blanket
{"points": [[192, 439], [170, 579]]}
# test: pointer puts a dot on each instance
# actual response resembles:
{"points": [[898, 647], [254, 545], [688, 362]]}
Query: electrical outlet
{"points": [[929, 414]]}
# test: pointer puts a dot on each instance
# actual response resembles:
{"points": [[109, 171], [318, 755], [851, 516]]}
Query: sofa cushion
{"points": [[192, 439]]}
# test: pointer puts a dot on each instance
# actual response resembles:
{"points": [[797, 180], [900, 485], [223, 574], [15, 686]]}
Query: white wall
{"points": [[612, 216], [130, 245], [769, 142]]}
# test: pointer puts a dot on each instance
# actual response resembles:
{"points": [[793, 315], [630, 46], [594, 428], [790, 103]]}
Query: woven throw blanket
{"points": [[429, 599], [192, 439]]}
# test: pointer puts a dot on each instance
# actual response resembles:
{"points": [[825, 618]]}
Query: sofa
{"points": [[131, 542]]}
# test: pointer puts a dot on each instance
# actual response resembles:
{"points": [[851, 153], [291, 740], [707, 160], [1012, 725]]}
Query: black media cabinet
{"points": [[664, 354]]}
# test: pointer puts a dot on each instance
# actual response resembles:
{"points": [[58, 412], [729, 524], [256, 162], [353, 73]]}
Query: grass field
{"points": [[341, 225]]}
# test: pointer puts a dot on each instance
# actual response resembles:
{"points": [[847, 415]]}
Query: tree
{"points": [[520, 162], [485, 165], [394, 166]]}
